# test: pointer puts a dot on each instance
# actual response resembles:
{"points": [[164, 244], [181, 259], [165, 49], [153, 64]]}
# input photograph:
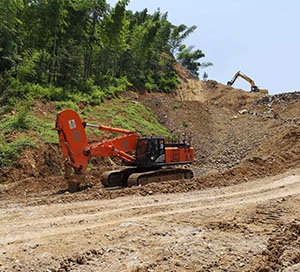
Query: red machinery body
{"points": [[144, 153]]}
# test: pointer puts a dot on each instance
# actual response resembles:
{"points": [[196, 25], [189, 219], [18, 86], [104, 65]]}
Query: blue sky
{"points": [[259, 37]]}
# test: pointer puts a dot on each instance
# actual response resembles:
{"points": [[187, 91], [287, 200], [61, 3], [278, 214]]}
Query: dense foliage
{"points": [[86, 50]]}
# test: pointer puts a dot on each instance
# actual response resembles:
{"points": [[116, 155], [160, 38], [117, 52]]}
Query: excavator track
{"points": [[159, 176], [129, 177], [116, 178]]}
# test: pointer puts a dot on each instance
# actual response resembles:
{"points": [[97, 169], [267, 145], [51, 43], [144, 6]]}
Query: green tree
{"points": [[149, 59], [10, 42], [86, 47], [188, 58], [94, 13], [178, 35], [45, 23], [114, 33]]}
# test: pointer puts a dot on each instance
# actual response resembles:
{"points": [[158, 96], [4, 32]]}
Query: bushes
{"points": [[12, 139], [19, 130], [10, 151], [86, 92]]}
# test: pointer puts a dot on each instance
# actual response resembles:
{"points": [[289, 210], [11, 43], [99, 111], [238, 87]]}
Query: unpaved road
{"points": [[218, 229]]}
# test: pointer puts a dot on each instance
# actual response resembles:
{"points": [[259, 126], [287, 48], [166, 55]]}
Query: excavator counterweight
{"points": [[146, 157]]}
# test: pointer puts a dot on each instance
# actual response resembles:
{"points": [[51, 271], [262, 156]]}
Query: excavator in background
{"points": [[147, 159], [254, 88]]}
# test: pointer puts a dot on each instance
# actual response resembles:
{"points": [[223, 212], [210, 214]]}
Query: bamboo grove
{"points": [[61, 49]]}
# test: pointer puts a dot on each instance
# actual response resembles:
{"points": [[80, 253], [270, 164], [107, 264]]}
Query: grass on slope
{"points": [[23, 129]]}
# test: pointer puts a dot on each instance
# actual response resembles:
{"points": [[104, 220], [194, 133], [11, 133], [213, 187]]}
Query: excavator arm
{"points": [[117, 147], [240, 74], [236, 75]]}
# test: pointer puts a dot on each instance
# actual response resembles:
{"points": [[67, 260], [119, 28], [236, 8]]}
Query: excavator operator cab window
{"points": [[157, 150], [141, 148], [150, 152], [162, 157]]}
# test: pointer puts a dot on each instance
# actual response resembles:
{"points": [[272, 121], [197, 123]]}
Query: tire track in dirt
{"points": [[19, 224]]}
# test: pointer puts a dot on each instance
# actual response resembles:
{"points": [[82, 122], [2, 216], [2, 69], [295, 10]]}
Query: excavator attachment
{"points": [[73, 141]]}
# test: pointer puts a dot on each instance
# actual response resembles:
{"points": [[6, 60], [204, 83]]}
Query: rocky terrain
{"points": [[239, 212]]}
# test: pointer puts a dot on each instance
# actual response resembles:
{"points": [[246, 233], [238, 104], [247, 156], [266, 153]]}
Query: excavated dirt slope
{"points": [[239, 213]]}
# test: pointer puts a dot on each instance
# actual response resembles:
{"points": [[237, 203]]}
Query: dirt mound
{"points": [[43, 161]]}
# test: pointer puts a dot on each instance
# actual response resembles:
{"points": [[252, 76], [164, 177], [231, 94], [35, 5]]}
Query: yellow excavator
{"points": [[254, 88]]}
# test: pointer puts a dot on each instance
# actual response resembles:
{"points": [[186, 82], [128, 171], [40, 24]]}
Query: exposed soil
{"points": [[239, 213]]}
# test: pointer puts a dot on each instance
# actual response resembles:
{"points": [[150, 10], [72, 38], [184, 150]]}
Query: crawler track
{"points": [[129, 177], [159, 176]]}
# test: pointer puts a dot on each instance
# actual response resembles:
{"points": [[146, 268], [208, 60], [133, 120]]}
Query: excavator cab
{"points": [[150, 152], [153, 152]]}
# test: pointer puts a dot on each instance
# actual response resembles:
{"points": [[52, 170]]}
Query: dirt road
{"points": [[219, 229]]}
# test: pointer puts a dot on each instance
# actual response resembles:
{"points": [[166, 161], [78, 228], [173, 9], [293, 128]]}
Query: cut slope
{"points": [[236, 135]]}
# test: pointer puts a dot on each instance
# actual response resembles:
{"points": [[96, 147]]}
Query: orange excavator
{"points": [[148, 159]]}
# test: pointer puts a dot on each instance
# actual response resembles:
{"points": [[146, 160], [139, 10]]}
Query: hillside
{"points": [[239, 138]]}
